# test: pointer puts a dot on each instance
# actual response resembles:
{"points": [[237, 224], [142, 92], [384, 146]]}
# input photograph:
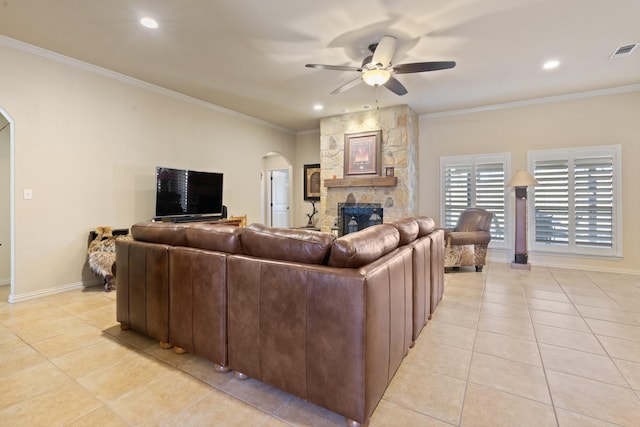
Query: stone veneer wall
{"points": [[399, 127]]}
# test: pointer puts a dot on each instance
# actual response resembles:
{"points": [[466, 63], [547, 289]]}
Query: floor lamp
{"points": [[520, 181]]}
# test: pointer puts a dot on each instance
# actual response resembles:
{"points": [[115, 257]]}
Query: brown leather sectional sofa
{"points": [[328, 320]]}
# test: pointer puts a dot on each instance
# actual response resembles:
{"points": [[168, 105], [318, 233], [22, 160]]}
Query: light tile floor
{"points": [[549, 347]]}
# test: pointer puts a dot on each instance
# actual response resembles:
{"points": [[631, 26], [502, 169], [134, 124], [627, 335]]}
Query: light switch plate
{"points": [[28, 194]]}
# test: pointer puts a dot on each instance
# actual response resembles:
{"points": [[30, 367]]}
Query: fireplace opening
{"points": [[358, 216]]}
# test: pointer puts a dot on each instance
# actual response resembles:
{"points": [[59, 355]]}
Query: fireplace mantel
{"points": [[374, 181]]}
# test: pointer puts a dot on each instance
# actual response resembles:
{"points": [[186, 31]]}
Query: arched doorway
{"points": [[7, 243]]}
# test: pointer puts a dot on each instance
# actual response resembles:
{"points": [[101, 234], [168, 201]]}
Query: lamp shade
{"points": [[522, 179]]}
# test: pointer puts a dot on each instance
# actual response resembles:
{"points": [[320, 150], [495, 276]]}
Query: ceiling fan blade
{"points": [[419, 67], [384, 51], [334, 67], [395, 86], [348, 85]]}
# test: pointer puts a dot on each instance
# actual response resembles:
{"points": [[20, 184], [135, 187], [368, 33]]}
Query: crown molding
{"points": [[535, 101], [85, 66]]}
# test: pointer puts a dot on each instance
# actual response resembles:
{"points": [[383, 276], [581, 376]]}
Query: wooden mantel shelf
{"points": [[361, 181]]}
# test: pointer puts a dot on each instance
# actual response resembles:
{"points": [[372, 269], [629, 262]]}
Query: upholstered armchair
{"points": [[466, 245]]}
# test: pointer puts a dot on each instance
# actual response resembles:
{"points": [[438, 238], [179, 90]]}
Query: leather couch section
{"points": [[357, 249], [426, 225], [332, 336], [286, 244], [142, 299], [408, 229], [198, 305], [421, 284], [328, 320], [214, 237], [437, 267], [167, 233]]}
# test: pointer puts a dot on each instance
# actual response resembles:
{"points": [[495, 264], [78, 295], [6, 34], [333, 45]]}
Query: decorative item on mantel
{"points": [[521, 180]]}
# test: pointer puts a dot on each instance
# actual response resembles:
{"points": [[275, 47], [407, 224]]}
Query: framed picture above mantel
{"points": [[362, 153]]}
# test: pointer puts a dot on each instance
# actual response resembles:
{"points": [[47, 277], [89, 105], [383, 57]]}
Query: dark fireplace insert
{"points": [[357, 216]]}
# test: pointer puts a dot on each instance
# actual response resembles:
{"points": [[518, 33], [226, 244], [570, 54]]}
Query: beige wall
{"points": [[587, 121], [87, 144], [5, 197], [307, 153]]}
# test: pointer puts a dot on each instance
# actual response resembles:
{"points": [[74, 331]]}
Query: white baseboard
{"points": [[52, 291]]}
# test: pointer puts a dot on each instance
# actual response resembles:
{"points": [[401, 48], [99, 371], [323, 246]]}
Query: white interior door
{"points": [[280, 198]]}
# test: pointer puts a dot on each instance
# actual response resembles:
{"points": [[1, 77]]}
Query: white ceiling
{"points": [[249, 55]]}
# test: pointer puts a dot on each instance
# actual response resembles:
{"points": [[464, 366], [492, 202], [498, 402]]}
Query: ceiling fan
{"points": [[377, 70]]}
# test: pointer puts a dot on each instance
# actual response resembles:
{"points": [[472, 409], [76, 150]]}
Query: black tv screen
{"points": [[187, 192]]}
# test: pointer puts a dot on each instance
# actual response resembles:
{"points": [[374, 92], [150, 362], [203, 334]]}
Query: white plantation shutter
{"points": [[457, 192], [490, 195], [551, 202], [594, 202], [475, 181], [575, 207]]}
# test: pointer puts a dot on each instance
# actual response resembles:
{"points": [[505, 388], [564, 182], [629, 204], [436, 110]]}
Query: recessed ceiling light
{"points": [[366, 106], [318, 107], [549, 65], [149, 22]]}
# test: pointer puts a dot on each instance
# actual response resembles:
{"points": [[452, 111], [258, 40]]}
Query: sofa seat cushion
{"points": [[306, 246], [166, 233], [214, 237], [363, 247]]}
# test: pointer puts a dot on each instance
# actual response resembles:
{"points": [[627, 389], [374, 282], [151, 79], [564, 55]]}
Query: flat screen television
{"points": [[181, 192]]}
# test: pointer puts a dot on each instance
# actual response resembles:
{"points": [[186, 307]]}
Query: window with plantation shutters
{"points": [[475, 181], [575, 208]]}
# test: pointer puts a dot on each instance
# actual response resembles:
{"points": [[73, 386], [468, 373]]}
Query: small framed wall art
{"points": [[312, 182], [362, 153]]}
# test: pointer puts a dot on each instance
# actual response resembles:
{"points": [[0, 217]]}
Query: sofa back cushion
{"points": [[166, 233], [426, 225], [310, 247], [363, 247], [408, 229], [214, 237]]}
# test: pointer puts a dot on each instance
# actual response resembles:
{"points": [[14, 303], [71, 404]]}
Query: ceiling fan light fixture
{"points": [[376, 77]]}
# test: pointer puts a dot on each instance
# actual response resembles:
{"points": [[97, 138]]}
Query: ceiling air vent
{"points": [[624, 50]]}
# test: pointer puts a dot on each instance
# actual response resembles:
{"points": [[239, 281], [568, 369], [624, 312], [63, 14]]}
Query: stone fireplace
{"points": [[396, 195]]}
